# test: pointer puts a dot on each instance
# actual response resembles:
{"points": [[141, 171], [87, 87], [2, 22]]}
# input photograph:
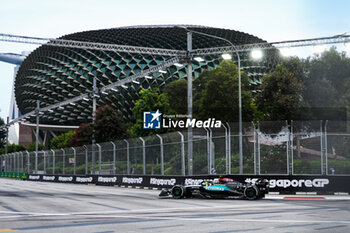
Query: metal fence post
{"points": [[208, 149], [212, 156], [9, 162], [127, 157], [228, 171], [161, 154], [289, 150], [114, 158], [44, 157], [326, 149], [143, 155], [22, 160], [99, 158], [6, 162], [75, 160], [48, 159], [86, 160], [322, 148], [256, 150], [324, 159], [36, 162], [64, 160], [93, 158], [28, 162], [53, 161], [17, 161], [183, 171], [229, 146], [12, 163]]}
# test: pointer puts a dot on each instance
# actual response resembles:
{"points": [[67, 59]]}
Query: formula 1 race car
{"points": [[220, 188]]}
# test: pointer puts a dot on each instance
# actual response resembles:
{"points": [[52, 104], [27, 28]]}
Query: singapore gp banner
{"points": [[283, 184]]}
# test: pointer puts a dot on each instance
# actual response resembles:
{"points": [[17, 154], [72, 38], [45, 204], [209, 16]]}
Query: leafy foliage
{"points": [[109, 125], [216, 94], [82, 135], [31, 147], [61, 141], [12, 148], [311, 89], [2, 134], [281, 92], [177, 94], [328, 82], [150, 100]]}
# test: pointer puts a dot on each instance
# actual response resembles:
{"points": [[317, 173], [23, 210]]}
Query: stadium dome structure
{"points": [[53, 74]]}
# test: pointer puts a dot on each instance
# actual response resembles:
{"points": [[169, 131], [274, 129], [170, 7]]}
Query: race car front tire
{"points": [[178, 192]]}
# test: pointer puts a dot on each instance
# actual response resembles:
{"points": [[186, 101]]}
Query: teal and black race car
{"points": [[220, 188]]}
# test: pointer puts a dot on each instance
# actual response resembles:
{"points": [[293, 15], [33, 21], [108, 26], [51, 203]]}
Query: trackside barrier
{"points": [[283, 184], [15, 175]]}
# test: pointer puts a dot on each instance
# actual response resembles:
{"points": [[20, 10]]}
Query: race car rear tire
{"points": [[251, 193], [178, 191]]}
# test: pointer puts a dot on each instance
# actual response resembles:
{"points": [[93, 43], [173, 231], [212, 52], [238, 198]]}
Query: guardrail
{"points": [[14, 175], [283, 184]]}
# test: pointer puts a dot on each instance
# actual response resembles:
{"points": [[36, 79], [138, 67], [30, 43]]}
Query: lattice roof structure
{"points": [[54, 74]]}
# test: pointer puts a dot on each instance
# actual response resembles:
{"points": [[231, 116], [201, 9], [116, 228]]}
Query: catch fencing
{"points": [[269, 148]]}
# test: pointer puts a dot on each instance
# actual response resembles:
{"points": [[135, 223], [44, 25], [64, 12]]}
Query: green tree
{"points": [[216, 94], [328, 82], [82, 135], [31, 147], [109, 125], [2, 134], [281, 96], [13, 148], [150, 100], [61, 141], [177, 94]]}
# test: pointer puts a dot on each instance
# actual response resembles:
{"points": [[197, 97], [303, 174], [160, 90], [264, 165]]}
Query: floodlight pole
{"points": [[189, 95], [189, 103], [239, 113], [94, 92], [37, 135], [7, 134]]}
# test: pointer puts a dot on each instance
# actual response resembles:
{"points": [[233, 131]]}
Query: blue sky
{"points": [[271, 20]]}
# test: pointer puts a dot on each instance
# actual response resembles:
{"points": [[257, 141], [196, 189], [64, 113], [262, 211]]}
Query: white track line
{"points": [[135, 211]]}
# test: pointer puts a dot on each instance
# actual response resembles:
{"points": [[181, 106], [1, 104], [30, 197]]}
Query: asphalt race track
{"points": [[51, 207]]}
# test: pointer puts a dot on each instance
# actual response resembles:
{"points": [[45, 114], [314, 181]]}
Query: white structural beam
{"points": [[90, 45], [170, 52], [273, 45]]}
